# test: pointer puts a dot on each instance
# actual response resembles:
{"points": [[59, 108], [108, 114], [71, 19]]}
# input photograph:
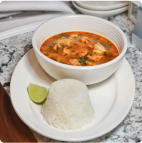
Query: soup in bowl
{"points": [[81, 47]]}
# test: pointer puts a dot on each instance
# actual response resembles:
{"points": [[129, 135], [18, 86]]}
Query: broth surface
{"points": [[79, 49]]}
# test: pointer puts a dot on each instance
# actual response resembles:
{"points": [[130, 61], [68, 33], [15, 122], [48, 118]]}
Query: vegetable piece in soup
{"points": [[79, 49]]}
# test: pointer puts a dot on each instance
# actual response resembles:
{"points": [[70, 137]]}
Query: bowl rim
{"points": [[80, 67]]}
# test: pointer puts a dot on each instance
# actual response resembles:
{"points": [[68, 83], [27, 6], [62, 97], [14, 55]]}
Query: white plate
{"points": [[102, 14], [102, 5], [111, 99]]}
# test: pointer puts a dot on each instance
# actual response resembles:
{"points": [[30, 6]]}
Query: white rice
{"points": [[68, 105]]}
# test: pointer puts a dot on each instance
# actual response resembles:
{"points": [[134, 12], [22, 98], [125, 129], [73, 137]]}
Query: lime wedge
{"points": [[37, 93]]}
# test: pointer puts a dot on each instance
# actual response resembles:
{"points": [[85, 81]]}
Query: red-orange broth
{"points": [[79, 49]]}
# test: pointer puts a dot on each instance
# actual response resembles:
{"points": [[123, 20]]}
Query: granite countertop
{"points": [[130, 130]]}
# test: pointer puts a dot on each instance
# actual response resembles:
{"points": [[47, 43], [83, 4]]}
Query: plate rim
{"points": [[101, 8], [73, 140], [99, 12]]}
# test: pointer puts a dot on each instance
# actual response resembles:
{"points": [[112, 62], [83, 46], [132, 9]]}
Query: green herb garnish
{"points": [[62, 45], [110, 45], [97, 38], [104, 43], [63, 35], [52, 43], [91, 35], [83, 60], [105, 54], [66, 35]]}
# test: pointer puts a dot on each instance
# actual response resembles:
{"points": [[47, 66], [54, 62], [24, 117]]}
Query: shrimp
{"points": [[56, 47], [74, 62], [91, 47], [66, 51], [76, 53], [95, 57], [83, 53], [64, 41], [89, 63], [84, 39], [73, 36], [99, 49]]}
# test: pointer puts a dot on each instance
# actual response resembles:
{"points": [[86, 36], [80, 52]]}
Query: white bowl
{"points": [[87, 74]]}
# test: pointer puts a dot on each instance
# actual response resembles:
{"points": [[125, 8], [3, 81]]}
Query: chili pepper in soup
{"points": [[79, 49]]}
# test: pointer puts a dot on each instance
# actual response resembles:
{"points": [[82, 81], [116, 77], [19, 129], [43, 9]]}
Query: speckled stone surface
{"points": [[130, 130], [134, 11]]}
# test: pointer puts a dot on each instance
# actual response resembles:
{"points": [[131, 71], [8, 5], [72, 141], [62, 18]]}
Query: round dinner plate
{"points": [[102, 5], [102, 14], [111, 100]]}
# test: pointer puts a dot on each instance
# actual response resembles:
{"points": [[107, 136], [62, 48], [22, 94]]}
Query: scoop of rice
{"points": [[68, 105]]}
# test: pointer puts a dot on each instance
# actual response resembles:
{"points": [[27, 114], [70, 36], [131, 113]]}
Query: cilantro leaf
{"points": [[62, 45]]}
